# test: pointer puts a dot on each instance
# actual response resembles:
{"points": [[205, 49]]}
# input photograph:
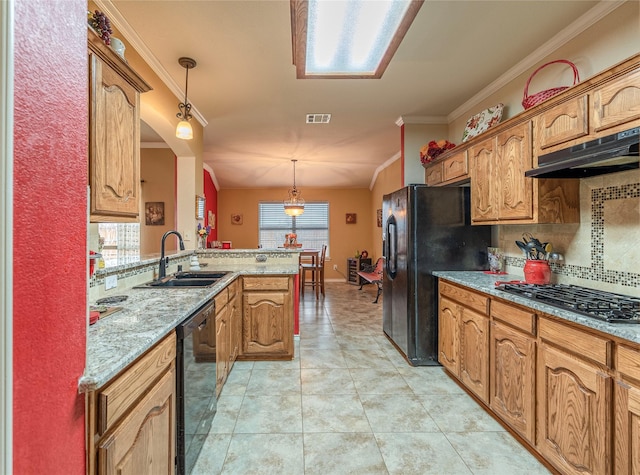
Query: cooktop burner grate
{"points": [[607, 306]]}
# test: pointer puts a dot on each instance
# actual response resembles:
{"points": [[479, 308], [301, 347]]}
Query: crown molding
{"points": [[422, 119], [116, 18], [591, 17], [382, 167], [209, 170]]}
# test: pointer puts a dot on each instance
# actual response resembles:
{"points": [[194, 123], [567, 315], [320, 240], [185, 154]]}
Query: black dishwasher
{"points": [[195, 385]]}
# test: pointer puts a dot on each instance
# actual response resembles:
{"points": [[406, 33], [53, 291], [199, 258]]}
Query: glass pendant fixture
{"points": [[294, 206], [184, 130]]}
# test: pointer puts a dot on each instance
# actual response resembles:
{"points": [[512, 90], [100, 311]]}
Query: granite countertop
{"points": [[483, 282], [147, 316]]}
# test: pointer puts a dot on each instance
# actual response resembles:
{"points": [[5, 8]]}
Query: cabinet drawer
{"points": [[455, 167], [433, 174], [564, 122], [117, 397], [222, 298], [265, 283], [628, 361], [576, 341], [520, 318], [468, 298]]}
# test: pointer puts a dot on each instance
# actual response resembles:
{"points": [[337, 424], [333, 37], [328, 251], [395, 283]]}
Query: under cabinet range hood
{"points": [[610, 154]]}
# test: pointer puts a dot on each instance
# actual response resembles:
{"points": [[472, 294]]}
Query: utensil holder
{"points": [[537, 272]]}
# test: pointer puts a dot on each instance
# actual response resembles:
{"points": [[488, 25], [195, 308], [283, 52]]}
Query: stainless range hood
{"points": [[610, 154]]}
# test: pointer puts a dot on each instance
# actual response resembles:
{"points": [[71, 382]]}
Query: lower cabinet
{"points": [[463, 338], [267, 317], [512, 357], [571, 393], [627, 412], [131, 420]]}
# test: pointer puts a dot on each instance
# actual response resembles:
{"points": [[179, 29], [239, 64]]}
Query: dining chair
{"points": [[317, 273]]}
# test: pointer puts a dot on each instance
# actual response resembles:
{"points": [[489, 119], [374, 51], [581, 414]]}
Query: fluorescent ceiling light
{"points": [[348, 38]]}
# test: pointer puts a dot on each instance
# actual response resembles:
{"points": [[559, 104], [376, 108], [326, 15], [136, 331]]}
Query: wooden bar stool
{"points": [[317, 273]]}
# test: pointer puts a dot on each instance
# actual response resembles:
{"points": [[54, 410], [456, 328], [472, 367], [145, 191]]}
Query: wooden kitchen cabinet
{"points": [[463, 337], [132, 419], [449, 335], [114, 135], [617, 103], [627, 412], [512, 357], [450, 170], [235, 322], [574, 399], [567, 121], [267, 317], [222, 348], [500, 193]]}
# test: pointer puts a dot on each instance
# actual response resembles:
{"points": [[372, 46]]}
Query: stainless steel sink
{"points": [[185, 280]]}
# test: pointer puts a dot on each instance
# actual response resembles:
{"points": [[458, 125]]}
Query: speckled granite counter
{"points": [[148, 315], [478, 280]]}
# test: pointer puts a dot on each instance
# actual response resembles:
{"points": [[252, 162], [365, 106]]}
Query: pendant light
{"points": [[294, 206], [184, 130]]}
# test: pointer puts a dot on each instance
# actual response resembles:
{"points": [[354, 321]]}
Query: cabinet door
{"points": [[574, 402], [433, 174], [235, 329], [627, 429], [455, 167], [114, 151], [449, 335], [267, 324], [144, 442], [562, 123], [222, 348], [474, 353], [513, 153], [617, 102], [512, 370], [483, 182]]}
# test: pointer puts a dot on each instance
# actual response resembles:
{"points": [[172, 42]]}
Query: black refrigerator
{"points": [[424, 229]]}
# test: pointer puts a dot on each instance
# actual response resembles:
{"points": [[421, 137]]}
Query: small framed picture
{"points": [[236, 219], [351, 218], [211, 219], [154, 213], [379, 217]]}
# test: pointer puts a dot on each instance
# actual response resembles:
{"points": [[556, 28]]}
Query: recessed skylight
{"points": [[348, 38]]}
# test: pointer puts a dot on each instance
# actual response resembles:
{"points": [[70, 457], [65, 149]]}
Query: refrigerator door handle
{"points": [[392, 247]]}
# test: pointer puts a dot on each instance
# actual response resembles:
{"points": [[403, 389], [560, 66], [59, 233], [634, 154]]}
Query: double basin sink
{"points": [[183, 280]]}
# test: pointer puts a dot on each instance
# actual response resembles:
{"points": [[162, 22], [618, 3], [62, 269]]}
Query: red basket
{"points": [[530, 101]]}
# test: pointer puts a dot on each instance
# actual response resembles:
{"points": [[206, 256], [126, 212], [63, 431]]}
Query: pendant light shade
{"points": [[184, 129], [294, 206]]}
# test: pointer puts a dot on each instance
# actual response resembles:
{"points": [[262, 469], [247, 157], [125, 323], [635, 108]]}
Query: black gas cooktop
{"points": [[606, 306]]}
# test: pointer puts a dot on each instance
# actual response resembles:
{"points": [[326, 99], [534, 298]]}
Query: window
{"points": [[121, 243], [312, 227]]}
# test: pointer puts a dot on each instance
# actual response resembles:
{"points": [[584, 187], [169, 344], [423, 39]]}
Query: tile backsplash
{"points": [[603, 250]]}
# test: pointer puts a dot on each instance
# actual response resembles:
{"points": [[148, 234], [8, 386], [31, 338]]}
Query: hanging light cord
{"points": [[185, 108]]}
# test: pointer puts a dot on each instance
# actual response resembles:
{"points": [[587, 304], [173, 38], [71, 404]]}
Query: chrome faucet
{"points": [[164, 261]]}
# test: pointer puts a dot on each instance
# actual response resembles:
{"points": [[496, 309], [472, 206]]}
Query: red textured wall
{"points": [[49, 231], [211, 204]]}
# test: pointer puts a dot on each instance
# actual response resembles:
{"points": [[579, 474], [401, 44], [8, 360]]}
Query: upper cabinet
{"points": [[495, 161], [114, 135]]}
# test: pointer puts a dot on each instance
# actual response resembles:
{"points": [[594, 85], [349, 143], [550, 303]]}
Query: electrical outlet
{"points": [[110, 282], [335, 266]]}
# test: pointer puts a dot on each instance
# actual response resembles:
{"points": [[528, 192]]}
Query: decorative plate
{"points": [[482, 121]]}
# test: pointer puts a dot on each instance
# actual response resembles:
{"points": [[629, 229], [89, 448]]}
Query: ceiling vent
{"points": [[318, 118]]}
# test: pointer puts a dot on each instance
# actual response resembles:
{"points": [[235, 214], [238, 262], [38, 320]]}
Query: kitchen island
{"points": [[567, 386]]}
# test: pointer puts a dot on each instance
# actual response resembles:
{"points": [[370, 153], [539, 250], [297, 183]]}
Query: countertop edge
{"points": [[483, 282], [100, 370]]}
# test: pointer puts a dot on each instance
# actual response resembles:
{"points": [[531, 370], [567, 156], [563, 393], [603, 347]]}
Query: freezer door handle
{"points": [[392, 247]]}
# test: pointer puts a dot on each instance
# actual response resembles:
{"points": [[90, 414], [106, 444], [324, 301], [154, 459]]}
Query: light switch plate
{"points": [[111, 282]]}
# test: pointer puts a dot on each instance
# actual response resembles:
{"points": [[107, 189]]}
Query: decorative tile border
{"points": [[596, 271]]}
